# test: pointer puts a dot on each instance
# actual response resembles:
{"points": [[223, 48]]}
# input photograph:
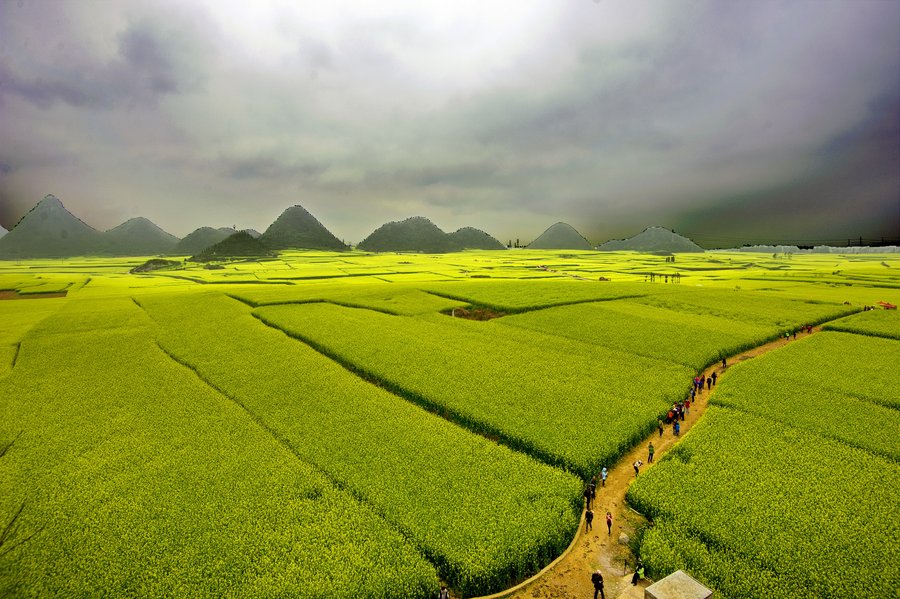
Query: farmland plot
{"points": [[136, 479], [827, 384], [878, 323], [481, 512], [569, 403], [757, 508], [694, 340]]}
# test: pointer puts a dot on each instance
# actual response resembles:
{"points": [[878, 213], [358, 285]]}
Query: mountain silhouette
{"points": [[471, 238], [50, 231], [138, 237], [560, 236], [297, 228], [198, 240], [653, 239], [415, 234], [237, 245]]}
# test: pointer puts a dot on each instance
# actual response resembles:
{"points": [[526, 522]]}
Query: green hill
{"points": [[50, 231], [238, 245], [475, 239], [297, 228], [560, 236], [415, 234], [200, 239], [139, 237], [653, 239]]}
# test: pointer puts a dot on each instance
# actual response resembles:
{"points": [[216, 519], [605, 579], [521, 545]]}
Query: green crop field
{"points": [[325, 424]]}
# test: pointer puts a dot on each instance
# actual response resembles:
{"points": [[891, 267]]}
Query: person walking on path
{"points": [[587, 497], [588, 520], [676, 428], [444, 594], [659, 425], [714, 376], [687, 407], [724, 363], [637, 467], [608, 523], [650, 451], [597, 581], [709, 381], [593, 488], [603, 474]]}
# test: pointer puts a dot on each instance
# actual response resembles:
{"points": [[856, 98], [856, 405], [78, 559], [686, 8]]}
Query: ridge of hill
{"points": [[50, 231], [415, 234], [139, 237], [475, 239], [297, 228], [237, 245], [199, 239], [560, 236], [653, 239]]}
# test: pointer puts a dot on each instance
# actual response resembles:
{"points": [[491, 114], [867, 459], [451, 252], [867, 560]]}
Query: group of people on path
{"points": [[676, 416], [590, 494]]}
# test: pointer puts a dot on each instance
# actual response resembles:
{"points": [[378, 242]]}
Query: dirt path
{"points": [[571, 575]]}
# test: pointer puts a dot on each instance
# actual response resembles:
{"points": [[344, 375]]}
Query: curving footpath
{"points": [[569, 575]]}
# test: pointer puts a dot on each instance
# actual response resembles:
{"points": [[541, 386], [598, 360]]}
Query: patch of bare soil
{"points": [[474, 313], [608, 551]]}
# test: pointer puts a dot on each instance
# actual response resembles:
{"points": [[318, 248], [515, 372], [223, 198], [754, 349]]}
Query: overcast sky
{"points": [[729, 121]]}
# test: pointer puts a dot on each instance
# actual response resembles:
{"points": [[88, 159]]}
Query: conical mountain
{"points": [[50, 231], [560, 236], [653, 239], [238, 245], [297, 228], [198, 240], [139, 237], [415, 234], [475, 239]]}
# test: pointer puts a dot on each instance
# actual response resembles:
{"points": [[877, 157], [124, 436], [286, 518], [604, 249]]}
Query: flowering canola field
{"points": [[320, 425]]}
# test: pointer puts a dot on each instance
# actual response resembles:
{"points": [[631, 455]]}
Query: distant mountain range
{"points": [[560, 236], [49, 230], [652, 239], [418, 234]]}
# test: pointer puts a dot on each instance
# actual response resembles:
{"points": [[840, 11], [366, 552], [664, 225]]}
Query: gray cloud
{"points": [[610, 115]]}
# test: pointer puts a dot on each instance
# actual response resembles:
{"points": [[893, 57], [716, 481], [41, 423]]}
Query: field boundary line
{"points": [[512, 311], [454, 417]]}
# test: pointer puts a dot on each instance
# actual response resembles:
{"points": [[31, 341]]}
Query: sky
{"points": [[731, 122]]}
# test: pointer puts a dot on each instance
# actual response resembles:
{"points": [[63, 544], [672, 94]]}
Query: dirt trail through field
{"points": [[571, 575]]}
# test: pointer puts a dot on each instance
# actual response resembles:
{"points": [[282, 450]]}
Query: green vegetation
{"points": [[168, 437], [879, 323], [757, 508], [136, 478], [533, 391], [450, 491], [694, 340], [786, 488]]}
